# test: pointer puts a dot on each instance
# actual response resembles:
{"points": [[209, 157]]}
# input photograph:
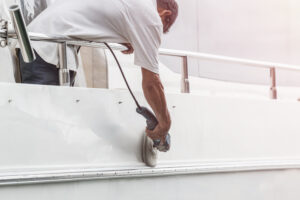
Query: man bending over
{"points": [[137, 24]]}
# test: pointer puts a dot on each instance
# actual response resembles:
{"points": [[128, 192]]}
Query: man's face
{"points": [[165, 18]]}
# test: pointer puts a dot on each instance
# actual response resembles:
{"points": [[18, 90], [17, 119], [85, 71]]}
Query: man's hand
{"points": [[129, 50], [154, 93], [159, 133]]}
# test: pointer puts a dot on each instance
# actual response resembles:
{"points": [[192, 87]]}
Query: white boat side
{"points": [[87, 141]]}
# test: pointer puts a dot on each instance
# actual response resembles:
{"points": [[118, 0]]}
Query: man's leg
{"points": [[38, 72]]}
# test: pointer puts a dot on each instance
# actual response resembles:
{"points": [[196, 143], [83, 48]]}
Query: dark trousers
{"points": [[40, 72]]}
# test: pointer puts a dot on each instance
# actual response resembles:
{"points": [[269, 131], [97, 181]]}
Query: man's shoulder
{"points": [[144, 12]]}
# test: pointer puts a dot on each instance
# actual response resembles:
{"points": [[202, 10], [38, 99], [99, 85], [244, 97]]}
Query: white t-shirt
{"points": [[119, 21]]}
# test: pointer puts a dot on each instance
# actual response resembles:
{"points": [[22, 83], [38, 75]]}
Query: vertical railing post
{"points": [[3, 33], [185, 84], [22, 34], [273, 89], [64, 74]]}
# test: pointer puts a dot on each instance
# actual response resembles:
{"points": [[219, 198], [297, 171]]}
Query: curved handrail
{"points": [[185, 87], [162, 51], [213, 57], [177, 53]]}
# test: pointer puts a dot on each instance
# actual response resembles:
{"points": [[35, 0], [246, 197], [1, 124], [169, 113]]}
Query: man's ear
{"points": [[165, 13]]}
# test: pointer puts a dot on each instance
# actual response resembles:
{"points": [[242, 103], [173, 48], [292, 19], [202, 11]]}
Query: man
{"points": [[32, 8], [138, 24]]}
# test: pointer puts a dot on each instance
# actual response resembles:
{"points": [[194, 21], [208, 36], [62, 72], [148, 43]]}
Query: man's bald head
{"points": [[168, 11]]}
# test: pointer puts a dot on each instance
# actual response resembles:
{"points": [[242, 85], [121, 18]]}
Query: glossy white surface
{"points": [[54, 126], [47, 129]]}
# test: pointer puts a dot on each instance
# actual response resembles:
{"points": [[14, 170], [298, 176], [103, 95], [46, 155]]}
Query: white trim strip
{"points": [[50, 176]]}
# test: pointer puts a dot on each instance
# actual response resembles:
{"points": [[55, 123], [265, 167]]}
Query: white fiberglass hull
{"points": [[73, 143]]}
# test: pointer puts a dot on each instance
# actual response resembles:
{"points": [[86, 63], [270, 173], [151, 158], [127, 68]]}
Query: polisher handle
{"points": [[151, 124], [150, 117]]}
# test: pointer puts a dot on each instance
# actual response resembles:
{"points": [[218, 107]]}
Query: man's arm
{"points": [[154, 93], [129, 50]]}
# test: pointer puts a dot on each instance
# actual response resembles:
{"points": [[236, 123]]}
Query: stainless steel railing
{"points": [[252, 63], [21, 33], [64, 75], [24, 40], [184, 55]]}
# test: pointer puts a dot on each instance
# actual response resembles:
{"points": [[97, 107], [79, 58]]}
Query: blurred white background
{"points": [[267, 30]]}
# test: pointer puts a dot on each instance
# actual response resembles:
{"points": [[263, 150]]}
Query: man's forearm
{"points": [[154, 93]]}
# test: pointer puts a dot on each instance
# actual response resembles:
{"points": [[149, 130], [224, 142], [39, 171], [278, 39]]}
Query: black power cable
{"points": [[126, 82], [149, 116]]}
